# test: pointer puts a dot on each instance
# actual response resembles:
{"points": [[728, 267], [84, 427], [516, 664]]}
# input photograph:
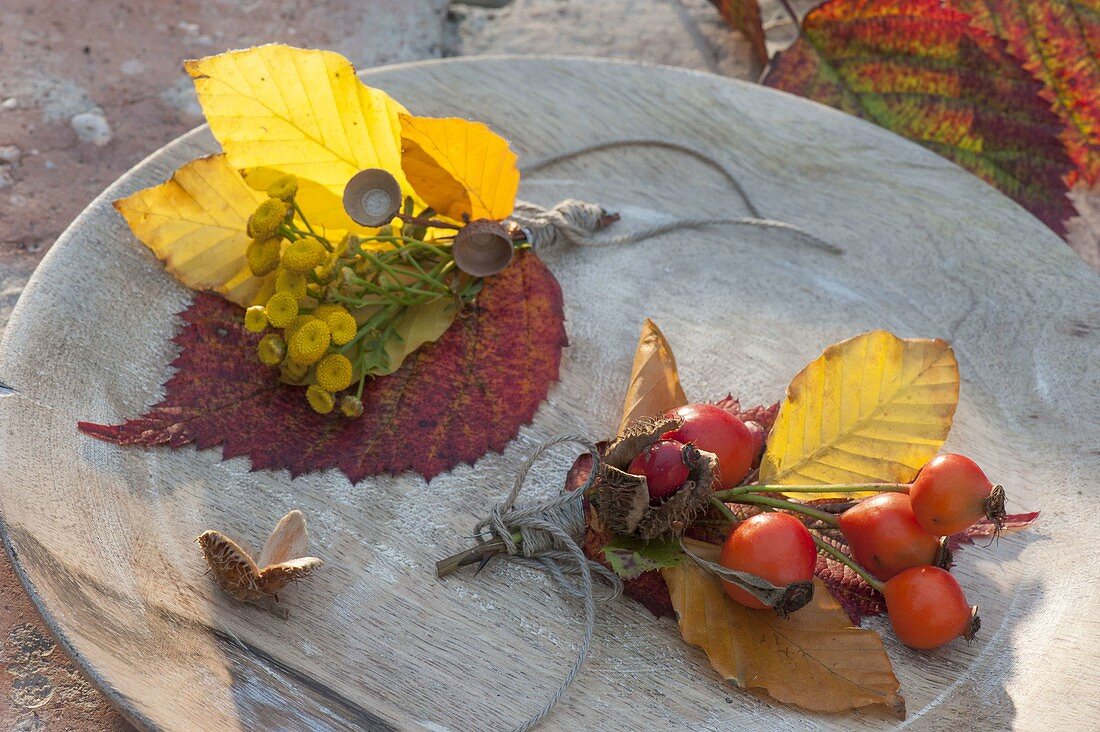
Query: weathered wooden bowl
{"points": [[103, 537]]}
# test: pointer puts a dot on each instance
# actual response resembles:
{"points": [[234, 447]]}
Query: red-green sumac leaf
{"points": [[926, 72], [450, 402], [1058, 41]]}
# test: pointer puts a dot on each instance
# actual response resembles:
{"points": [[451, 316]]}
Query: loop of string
{"points": [[551, 533], [577, 222]]}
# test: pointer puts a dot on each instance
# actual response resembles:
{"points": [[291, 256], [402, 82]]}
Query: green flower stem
{"points": [[723, 508], [754, 500], [302, 216], [844, 488], [379, 262], [846, 560]]}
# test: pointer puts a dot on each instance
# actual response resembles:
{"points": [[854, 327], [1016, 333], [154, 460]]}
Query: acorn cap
{"points": [[482, 248], [372, 197]]}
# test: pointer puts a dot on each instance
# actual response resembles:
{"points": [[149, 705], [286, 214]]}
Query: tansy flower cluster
{"points": [[332, 308]]}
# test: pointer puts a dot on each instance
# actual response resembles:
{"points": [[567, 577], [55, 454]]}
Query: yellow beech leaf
{"points": [[871, 409], [196, 223], [654, 381], [460, 168], [419, 325], [277, 110], [814, 659]]}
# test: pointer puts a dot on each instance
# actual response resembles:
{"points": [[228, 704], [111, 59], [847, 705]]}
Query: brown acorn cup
{"points": [[372, 197], [482, 248]]}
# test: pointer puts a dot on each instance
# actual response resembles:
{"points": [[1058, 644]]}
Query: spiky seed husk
{"points": [[621, 500]]}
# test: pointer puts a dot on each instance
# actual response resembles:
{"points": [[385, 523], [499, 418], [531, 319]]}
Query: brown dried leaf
{"points": [[813, 659], [280, 563], [654, 382]]}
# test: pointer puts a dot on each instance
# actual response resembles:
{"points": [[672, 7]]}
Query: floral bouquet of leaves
{"points": [[772, 532], [333, 239]]}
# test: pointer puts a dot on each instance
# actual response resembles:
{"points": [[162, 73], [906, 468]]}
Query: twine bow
{"points": [[579, 223], [548, 536]]}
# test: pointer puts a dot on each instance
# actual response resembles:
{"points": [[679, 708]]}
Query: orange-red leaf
{"points": [[814, 659], [1058, 41], [450, 402], [924, 71]]}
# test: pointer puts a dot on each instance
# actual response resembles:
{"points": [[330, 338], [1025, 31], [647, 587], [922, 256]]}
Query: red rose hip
{"points": [[927, 608], [885, 537], [774, 546], [715, 430], [663, 466], [951, 492]]}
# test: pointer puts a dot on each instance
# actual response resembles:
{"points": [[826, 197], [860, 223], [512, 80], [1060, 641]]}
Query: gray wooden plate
{"points": [[103, 536]]}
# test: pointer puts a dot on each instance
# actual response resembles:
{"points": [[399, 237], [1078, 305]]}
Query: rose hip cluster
{"points": [[897, 536]]}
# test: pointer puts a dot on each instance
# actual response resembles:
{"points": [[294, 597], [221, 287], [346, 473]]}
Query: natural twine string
{"points": [[577, 222], [551, 535]]}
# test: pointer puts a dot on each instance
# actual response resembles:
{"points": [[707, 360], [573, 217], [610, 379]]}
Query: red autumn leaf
{"points": [[924, 71], [761, 414], [744, 16], [1058, 41], [450, 402], [984, 529], [858, 598]]}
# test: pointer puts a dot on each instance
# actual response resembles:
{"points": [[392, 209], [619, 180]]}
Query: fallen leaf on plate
{"points": [[281, 561], [872, 409], [654, 386], [450, 402], [279, 110], [922, 70], [461, 169], [195, 223], [814, 659]]}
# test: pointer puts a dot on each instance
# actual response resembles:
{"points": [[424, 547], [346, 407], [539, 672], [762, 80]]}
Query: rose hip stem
{"points": [[846, 560], [843, 488], [754, 500]]}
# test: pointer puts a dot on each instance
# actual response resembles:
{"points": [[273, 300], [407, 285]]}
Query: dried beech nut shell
{"points": [[372, 197], [483, 248], [621, 500]]}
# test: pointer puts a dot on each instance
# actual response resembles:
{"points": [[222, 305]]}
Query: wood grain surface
{"points": [[103, 536]]}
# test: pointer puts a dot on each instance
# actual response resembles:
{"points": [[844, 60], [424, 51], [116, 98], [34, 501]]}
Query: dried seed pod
{"points": [[621, 499], [280, 561], [372, 197], [483, 248]]}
